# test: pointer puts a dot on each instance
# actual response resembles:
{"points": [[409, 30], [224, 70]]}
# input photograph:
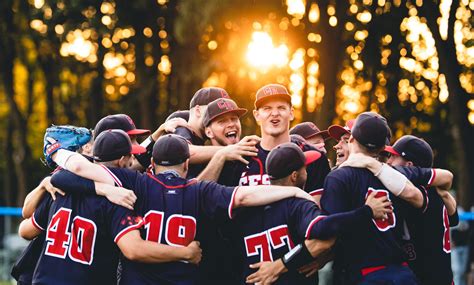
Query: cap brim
{"points": [[311, 156], [137, 149], [239, 112], [324, 134], [391, 150], [259, 102], [137, 132], [336, 132]]}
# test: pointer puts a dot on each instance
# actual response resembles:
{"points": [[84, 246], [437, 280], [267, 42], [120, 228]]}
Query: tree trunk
{"points": [[462, 131]]}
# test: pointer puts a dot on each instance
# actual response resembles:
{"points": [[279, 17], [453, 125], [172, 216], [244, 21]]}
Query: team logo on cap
{"points": [[270, 91], [222, 104], [224, 94], [130, 120]]}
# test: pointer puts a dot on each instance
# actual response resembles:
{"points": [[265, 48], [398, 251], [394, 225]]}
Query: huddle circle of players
{"points": [[267, 209]]}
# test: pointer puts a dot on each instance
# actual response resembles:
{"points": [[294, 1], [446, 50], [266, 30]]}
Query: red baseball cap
{"points": [[336, 131]]}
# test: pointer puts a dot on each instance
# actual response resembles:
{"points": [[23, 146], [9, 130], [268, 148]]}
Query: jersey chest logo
{"points": [[262, 244], [383, 224], [78, 242], [253, 180]]}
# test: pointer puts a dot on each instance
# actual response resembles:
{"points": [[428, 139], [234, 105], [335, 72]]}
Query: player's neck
{"points": [[269, 142], [161, 169], [194, 126]]}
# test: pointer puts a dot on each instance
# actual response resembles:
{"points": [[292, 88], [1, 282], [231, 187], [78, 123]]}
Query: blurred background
{"points": [[74, 61]]}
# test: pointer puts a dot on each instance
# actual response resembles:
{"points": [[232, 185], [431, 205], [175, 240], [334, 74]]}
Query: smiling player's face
{"points": [[342, 149], [274, 117], [225, 130]]}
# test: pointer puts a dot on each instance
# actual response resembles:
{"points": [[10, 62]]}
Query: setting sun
{"points": [[263, 54]]}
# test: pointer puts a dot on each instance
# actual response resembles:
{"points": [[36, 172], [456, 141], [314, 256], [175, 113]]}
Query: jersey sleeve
{"points": [[185, 133], [121, 221], [335, 198], [41, 214], [317, 172], [303, 214], [217, 200], [72, 183], [418, 175]]}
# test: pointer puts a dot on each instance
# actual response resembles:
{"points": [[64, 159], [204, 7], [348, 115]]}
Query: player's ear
{"points": [[209, 132], [409, 163], [186, 165], [292, 113], [152, 162], [256, 115], [294, 176], [197, 110]]}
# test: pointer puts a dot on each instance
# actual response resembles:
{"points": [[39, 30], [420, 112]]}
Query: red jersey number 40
{"points": [[77, 243]]}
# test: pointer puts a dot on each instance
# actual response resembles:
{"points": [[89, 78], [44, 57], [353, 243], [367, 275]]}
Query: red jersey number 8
{"points": [[383, 224]]}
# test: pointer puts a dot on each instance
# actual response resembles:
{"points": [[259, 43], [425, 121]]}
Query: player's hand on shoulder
{"points": [[358, 160], [171, 125], [46, 185], [299, 193], [121, 196], [195, 252], [380, 206], [251, 140]]}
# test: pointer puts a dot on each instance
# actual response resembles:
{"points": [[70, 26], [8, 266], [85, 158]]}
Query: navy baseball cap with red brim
{"points": [[336, 131], [119, 121], [311, 156]]}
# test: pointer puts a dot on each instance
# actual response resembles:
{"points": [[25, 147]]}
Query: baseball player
{"points": [[271, 232], [312, 134], [429, 232], [172, 207], [358, 256], [341, 135], [273, 112], [82, 230]]}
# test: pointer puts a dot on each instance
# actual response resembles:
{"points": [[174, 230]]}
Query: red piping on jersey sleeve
{"points": [[190, 182], [232, 201], [127, 230], [432, 178], [33, 221], [260, 164], [115, 178], [313, 222], [317, 192]]}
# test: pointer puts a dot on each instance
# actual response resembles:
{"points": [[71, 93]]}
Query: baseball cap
{"points": [[336, 131], [170, 150], [118, 121], [286, 158], [206, 95], [308, 130], [113, 144], [271, 91], [183, 114], [413, 149], [220, 107], [370, 130]]}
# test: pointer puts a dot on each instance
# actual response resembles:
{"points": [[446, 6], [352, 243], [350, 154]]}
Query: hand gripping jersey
{"points": [[172, 208], [81, 232], [236, 173], [377, 243]]}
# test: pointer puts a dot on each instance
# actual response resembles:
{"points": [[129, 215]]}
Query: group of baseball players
{"points": [[194, 203]]}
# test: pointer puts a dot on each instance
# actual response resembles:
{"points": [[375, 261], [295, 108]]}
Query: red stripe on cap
{"points": [[311, 156], [136, 132]]}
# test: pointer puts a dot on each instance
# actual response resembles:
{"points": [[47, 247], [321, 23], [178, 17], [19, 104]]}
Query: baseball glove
{"points": [[63, 137]]}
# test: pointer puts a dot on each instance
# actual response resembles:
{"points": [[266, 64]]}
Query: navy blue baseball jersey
{"points": [[267, 233], [377, 243], [81, 232], [194, 139], [236, 173], [172, 208]]}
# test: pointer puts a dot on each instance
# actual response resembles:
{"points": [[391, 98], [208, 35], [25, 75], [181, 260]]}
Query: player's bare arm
{"points": [[136, 249], [34, 197], [448, 201], [395, 182], [79, 165], [202, 153], [27, 230], [250, 196]]}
